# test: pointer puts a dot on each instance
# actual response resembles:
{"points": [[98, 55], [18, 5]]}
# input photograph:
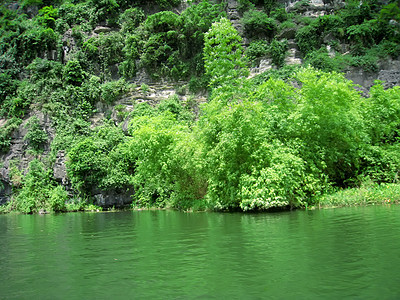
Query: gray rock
{"points": [[390, 78], [102, 29], [5, 192], [60, 169], [288, 33], [114, 198]]}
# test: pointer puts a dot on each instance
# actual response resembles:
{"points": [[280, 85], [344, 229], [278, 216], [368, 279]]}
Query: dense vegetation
{"points": [[281, 139]]}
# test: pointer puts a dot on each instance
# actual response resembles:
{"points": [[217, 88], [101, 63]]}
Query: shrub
{"points": [[131, 19], [35, 136], [279, 185], [112, 90], [34, 193], [73, 73], [58, 196], [278, 50], [257, 49], [6, 133], [308, 38], [258, 24], [165, 173], [320, 59], [328, 121]]}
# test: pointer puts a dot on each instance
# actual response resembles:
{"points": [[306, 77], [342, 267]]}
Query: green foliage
{"points": [[77, 13], [174, 106], [278, 185], [308, 38], [328, 121], [257, 49], [320, 59], [58, 196], [162, 22], [47, 16], [369, 193], [382, 112], [112, 90], [36, 136], [103, 51], [6, 133], [168, 3], [131, 19], [223, 55], [8, 86], [197, 20], [355, 13], [164, 173], [280, 15], [38, 193], [257, 24], [132, 53], [73, 73], [361, 35], [86, 165], [170, 45], [160, 52], [278, 50], [97, 161]]}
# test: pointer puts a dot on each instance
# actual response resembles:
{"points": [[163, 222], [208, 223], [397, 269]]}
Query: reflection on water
{"points": [[336, 253]]}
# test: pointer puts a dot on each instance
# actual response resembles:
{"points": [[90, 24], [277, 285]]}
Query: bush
{"points": [[278, 185], [165, 174], [131, 19], [257, 49], [58, 196], [73, 73], [308, 38], [35, 136], [36, 190], [320, 59], [278, 50], [6, 133], [112, 90], [258, 24]]}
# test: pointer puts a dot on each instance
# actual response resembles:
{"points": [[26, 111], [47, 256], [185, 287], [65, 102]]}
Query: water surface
{"points": [[351, 253]]}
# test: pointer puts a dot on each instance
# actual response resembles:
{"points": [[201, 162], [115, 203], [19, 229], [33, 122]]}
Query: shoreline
{"points": [[368, 194]]}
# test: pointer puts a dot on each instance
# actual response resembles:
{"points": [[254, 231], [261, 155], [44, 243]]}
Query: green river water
{"points": [[346, 253]]}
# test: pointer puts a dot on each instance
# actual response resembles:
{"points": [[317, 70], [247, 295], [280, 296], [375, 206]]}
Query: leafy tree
{"points": [[165, 174], [223, 56], [328, 121]]}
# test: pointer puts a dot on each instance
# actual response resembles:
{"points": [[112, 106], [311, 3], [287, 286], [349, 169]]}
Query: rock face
{"points": [[5, 192], [114, 198], [18, 158], [60, 169], [233, 15], [69, 45], [389, 73]]}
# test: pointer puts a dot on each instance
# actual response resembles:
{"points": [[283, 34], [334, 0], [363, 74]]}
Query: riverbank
{"points": [[367, 194]]}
